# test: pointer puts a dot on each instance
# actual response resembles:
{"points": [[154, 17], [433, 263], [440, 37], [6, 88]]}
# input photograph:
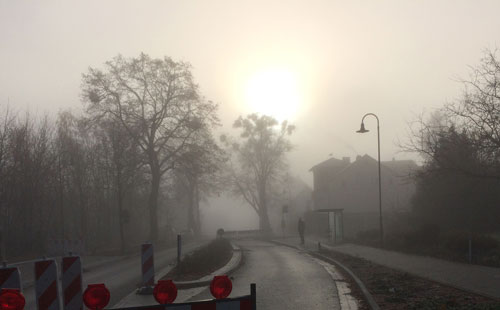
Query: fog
{"points": [[344, 59]]}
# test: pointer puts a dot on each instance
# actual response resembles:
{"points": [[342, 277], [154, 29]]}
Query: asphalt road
{"points": [[121, 277], [285, 278]]}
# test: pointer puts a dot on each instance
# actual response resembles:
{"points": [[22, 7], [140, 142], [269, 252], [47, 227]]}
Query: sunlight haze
{"points": [[321, 64]]}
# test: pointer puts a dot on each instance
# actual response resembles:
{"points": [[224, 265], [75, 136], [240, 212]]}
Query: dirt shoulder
{"points": [[393, 289]]}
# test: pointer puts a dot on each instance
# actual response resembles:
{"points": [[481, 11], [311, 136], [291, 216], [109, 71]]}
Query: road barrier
{"points": [[148, 266], [72, 283], [47, 294], [10, 278], [97, 296]]}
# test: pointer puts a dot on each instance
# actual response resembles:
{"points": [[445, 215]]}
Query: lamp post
{"points": [[363, 130]]}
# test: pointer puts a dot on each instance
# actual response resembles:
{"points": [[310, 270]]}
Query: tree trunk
{"points": [[264, 223], [191, 220], [119, 194], [153, 200], [83, 214], [197, 222]]}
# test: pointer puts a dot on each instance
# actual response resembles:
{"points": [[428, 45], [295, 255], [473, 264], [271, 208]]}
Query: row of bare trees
{"points": [[145, 130], [60, 180], [143, 146]]}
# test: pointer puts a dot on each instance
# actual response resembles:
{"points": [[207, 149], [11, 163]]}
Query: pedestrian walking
{"points": [[302, 228]]}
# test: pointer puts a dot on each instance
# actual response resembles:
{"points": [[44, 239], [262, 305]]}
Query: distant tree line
{"points": [[144, 141]]}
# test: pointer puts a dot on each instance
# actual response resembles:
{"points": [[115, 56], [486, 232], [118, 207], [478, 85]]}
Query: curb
{"points": [[231, 266], [368, 297], [366, 294]]}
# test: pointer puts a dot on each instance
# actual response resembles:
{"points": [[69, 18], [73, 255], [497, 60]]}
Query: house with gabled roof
{"points": [[353, 187]]}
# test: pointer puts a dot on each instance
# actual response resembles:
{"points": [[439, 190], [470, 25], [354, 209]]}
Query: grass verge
{"points": [[202, 262]]}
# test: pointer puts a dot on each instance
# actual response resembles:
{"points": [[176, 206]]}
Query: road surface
{"points": [[285, 278]]}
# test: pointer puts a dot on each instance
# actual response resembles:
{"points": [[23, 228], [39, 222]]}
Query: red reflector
{"points": [[221, 287], [165, 292], [11, 299], [96, 296]]}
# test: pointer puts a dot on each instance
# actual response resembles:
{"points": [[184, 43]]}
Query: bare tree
{"points": [[158, 104], [124, 165], [198, 170], [457, 188], [5, 124], [258, 160]]}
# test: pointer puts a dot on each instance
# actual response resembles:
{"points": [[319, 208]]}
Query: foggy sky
{"points": [[393, 58]]}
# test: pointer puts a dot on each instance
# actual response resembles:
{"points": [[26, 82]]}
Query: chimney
{"points": [[346, 160], [358, 157]]}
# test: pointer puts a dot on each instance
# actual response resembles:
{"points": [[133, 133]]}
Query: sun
{"points": [[274, 92]]}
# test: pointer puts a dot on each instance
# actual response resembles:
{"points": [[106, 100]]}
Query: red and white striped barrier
{"points": [[72, 283], [46, 285], [10, 278], [148, 267]]}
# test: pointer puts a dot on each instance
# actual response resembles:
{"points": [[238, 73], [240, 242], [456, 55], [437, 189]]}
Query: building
{"points": [[353, 187]]}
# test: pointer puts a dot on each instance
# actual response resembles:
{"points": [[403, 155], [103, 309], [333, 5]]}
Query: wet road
{"points": [[285, 278]]}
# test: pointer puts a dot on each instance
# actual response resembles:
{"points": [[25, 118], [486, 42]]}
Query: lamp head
{"points": [[362, 129]]}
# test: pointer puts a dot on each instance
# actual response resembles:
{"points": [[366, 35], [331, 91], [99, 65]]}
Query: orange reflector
{"points": [[11, 299], [165, 292], [96, 296], [221, 287]]}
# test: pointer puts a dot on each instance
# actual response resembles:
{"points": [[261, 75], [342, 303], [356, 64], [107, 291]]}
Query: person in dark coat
{"points": [[302, 229]]}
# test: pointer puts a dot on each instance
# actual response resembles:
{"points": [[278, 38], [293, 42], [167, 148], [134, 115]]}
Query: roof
{"points": [[360, 160], [331, 162], [398, 167], [401, 166]]}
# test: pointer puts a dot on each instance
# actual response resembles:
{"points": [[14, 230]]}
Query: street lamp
{"points": [[363, 130]]}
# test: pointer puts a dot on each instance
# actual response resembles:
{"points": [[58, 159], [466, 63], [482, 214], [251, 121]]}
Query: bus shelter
{"points": [[335, 224]]}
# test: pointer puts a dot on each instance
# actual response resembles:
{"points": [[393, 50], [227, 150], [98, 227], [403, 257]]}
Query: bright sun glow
{"points": [[274, 92]]}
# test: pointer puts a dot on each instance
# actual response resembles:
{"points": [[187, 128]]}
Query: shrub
{"points": [[458, 241], [369, 236], [208, 258], [425, 236]]}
